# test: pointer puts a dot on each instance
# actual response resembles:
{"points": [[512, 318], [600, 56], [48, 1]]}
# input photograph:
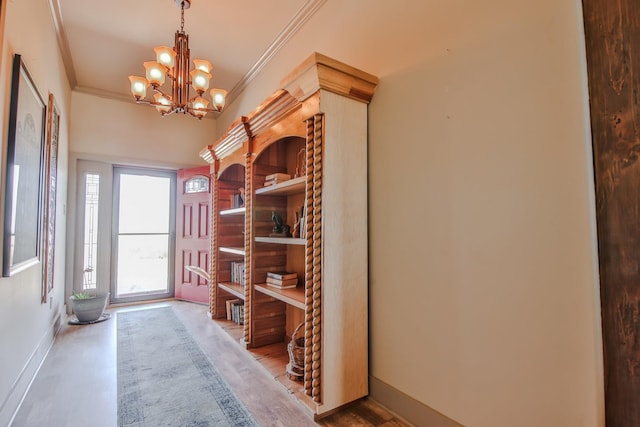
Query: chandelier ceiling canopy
{"points": [[174, 64]]}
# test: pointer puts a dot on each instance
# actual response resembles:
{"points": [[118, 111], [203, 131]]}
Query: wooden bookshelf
{"points": [[316, 127]]}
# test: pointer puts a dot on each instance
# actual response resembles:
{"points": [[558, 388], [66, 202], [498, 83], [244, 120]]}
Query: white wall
{"points": [[136, 134], [483, 272], [499, 271], [26, 325]]}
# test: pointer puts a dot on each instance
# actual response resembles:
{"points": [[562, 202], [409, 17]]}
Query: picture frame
{"points": [[23, 173], [50, 196]]}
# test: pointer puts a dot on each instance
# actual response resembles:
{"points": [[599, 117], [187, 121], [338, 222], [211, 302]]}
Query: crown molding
{"points": [[295, 24], [63, 42], [107, 94]]}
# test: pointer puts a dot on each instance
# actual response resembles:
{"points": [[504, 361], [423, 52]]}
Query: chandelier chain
{"points": [[182, 17]]}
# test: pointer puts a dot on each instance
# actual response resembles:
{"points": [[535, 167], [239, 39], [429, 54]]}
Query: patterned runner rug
{"points": [[164, 378]]}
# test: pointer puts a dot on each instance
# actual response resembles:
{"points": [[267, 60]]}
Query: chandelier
{"points": [[174, 64]]}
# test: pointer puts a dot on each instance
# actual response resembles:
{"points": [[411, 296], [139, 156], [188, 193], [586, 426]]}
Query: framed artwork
{"points": [[23, 173], [50, 190]]}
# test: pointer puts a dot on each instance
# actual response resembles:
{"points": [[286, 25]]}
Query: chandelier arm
{"points": [[168, 113], [149, 102], [158, 90], [208, 110], [157, 104], [187, 108], [197, 95], [191, 111]]}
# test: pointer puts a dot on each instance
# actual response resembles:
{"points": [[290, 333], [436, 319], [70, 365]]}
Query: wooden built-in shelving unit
{"points": [[313, 130]]}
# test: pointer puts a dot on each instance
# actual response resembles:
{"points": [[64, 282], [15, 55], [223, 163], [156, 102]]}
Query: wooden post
{"points": [[612, 31]]}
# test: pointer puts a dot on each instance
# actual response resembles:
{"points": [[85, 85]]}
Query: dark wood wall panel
{"points": [[613, 56]]}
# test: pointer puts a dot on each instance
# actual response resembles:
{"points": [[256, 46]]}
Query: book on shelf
{"points": [[229, 306], [278, 177], [281, 275], [300, 228], [235, 311], [282, 284], [237, 273], [238, 313]]}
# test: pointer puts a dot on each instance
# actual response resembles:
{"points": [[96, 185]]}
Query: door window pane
{"points": [[144, 234], [91, 205], [144, 204], [197, 184], [143, 264]]}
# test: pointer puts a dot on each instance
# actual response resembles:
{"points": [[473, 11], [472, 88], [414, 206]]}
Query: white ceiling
{"points": [[103, 42]]}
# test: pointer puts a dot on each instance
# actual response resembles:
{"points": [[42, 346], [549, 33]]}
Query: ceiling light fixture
{"points": [[174, 63]]}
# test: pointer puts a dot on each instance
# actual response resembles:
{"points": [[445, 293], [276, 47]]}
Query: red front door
{"points": [[193, 216]]}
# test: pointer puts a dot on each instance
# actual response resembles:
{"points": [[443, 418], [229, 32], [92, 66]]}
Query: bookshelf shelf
{"points": [[292, 186], [293, 296], [236, 211], [281, 240], [235, 251], [233, 288]]}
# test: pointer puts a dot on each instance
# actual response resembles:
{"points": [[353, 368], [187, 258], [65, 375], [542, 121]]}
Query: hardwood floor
{"points": [[76, 385]]}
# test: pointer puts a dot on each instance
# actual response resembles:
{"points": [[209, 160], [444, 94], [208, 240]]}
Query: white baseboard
{"points": [[407, 407], [11, 403]]}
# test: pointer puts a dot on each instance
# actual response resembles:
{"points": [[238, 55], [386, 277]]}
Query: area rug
{"points": [[165, 379]]}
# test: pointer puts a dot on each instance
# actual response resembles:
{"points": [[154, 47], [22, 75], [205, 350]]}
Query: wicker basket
{"points": [[295, 368]]}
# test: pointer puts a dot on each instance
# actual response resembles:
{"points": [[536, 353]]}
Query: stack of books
{"points": [[276, 178], [282, 279], [235, 311], [237, 273]]}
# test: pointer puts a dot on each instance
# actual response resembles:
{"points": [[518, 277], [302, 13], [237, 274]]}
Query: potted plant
{"points": [[89, 306]]}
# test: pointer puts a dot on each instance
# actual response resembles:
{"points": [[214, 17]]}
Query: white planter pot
{"points": [[89, 309]]}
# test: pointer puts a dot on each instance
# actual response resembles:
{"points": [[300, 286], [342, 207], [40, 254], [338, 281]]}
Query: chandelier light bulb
{"points": [[138, 86], [156, 73], [199, 107], [163, 104], [200, 80], [165, 56], [202, 64], [219, 97]]}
